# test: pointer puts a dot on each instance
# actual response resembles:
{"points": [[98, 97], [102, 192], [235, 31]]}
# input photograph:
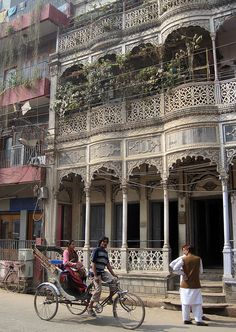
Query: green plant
{"points": [[10, 29]]}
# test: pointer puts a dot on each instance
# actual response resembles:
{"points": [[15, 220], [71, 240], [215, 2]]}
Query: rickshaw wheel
{"points": [[77, 308], [46, 302]]}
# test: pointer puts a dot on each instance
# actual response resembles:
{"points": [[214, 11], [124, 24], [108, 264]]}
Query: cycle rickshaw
{"points": [[128, 309]]}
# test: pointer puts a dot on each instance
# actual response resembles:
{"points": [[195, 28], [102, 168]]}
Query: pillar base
{"points": [[227, 258], [166, 258], [124, 259]]}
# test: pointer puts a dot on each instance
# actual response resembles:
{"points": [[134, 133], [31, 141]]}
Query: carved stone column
{"points": [[124, 251], [124, 215], [86, 249], [166, 247], [213, 40], [54, 72], [108, 211], [217, 85], [87, 217], [143, 216], [227, 258], [75, 208]]}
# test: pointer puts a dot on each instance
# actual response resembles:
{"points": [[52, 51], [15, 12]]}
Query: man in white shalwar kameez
{"points": [[189, 267]]}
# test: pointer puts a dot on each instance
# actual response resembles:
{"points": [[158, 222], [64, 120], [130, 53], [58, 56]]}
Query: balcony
{"points": [[25, 84], [49, 19], [190, 98], [16, 165], [149, 14], [173, 5]]}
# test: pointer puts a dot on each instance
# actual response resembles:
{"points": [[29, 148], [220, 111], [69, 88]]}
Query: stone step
{"points": [[208, 308], [212, 275], [207, 297], [208, 286], [211, 286]]}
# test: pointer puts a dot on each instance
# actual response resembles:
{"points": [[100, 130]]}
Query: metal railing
{"points": [[24, 76], [19, 155], [9, 248]]}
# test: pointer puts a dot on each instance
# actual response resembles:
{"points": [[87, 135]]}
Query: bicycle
{"points": [[128, 309], [12, 279]]}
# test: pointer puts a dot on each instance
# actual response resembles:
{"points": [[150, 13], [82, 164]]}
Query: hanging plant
{"points": [[68, 97]]}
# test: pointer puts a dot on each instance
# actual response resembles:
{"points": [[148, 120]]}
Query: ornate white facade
{"points": [[151, 172]]}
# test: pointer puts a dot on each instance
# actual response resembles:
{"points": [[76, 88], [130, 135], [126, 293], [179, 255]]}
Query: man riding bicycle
{"points": [[97, 271]]}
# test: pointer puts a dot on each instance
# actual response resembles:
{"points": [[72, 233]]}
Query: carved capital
{"points": [[87, 190], [224, 177]]}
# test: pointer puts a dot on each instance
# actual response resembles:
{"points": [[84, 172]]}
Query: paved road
{"points": [[17, 315]]}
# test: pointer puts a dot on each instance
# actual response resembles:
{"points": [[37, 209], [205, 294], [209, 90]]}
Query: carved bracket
{"points": [[116, 167], [157, 162], [81, 171]]}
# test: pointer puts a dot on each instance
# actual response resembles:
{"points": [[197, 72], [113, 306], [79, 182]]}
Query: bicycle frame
{"points": [[12, 280]]}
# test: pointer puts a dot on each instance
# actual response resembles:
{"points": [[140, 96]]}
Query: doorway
{"points": [[207, 231], [133, 227], [156, 234]]}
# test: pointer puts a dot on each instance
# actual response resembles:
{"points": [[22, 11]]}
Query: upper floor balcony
{"points": [[17, 164], [41, 21], [27, 83], [93, 29], [192, 98]]}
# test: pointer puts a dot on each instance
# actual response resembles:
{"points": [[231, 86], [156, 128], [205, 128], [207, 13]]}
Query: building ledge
{"points": [[17, 94], [21, 174], [48, 13]]}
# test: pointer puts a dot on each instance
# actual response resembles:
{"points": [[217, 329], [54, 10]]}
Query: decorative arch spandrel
{"points": [[81, 171], [157, 162], [116, 167], [212, 154]]}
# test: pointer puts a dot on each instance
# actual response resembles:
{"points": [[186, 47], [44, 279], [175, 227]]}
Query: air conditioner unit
{"points": [[25, 254], [38, 161], [27, 270]]}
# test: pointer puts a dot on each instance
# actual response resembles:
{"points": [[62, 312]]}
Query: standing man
{"points": [[100, 261], [190, 266]]}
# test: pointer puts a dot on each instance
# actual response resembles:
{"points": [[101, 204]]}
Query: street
{"points": [[17, 315]]}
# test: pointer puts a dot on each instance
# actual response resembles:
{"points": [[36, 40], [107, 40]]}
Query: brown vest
{"points": [[192, 270]]}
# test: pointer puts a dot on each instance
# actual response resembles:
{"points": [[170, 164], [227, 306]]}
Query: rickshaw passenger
{"points": [[75, 268]]}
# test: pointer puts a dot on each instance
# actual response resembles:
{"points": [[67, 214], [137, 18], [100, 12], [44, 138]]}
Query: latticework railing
{"points": [[167, 5], [115, 258], [192, 95], [107, 114], [185, 97], [145, 260]]}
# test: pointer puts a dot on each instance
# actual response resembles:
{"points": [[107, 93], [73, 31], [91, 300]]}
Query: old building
{"points": [[142, 141], [28, 33]]}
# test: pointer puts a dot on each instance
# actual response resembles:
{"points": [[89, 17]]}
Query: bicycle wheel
{"points": [[12, 282], [46, 302], [77, 308], [129, 310]]}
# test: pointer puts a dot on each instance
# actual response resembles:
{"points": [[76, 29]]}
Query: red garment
{"points": [[76, 280]]}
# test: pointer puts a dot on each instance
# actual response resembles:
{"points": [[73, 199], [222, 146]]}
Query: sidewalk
{"points": [[160, 302]]}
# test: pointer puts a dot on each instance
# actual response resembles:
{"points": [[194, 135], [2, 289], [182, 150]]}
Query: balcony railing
{"points": [[25, 76], [167, 5], [9, 248], [184, 97], [138, 259], [147, 14], [19, 155]]}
